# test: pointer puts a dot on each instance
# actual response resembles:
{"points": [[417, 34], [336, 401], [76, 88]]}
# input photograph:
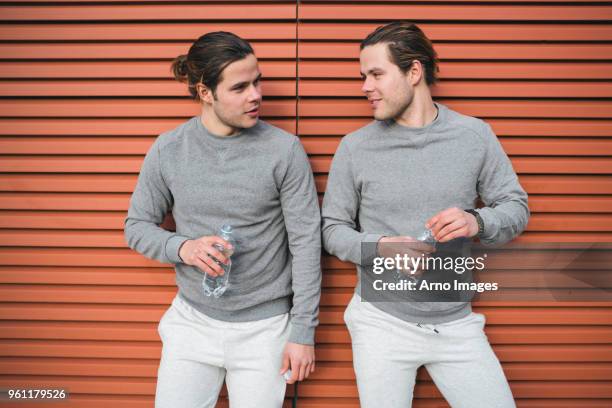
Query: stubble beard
{"points": [[236, 123], [396, 108]]}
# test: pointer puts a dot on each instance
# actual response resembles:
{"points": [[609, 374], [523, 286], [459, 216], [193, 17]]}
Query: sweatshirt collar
{"points": [[408, 130], [221, 140]]}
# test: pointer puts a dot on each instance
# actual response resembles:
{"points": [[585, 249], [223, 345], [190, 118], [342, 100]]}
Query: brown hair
{"points": [[406, 42], [208, 56]]}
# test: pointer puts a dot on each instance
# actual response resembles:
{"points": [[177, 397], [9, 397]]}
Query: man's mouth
{"points": [[253, 112]]}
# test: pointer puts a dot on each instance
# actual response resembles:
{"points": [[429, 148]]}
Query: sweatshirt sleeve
{"points": [[300, 208], [506, 213], [340, 208], [150, 202]]}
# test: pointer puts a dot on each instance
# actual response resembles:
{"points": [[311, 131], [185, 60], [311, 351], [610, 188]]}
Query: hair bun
{"points": [[180, 68]]}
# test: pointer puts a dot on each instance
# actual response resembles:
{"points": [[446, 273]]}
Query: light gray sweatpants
{"points": [[199, 353], [387, 352]]}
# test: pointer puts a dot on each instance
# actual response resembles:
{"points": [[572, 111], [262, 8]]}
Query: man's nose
{"points": [[255, 93], [366, 86]]}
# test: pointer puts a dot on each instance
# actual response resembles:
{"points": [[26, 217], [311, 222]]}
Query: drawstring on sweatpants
{"points": [[295, 395], [428, 327]]}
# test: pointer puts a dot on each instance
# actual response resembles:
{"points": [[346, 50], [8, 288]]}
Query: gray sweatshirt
{"points": [[388, 180], [260, 182]]}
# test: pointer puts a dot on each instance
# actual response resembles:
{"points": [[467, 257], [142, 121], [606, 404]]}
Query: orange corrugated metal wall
{"points": [[85, 88]]}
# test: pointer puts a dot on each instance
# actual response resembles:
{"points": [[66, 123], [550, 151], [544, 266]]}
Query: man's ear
{"points": [[204, 93], [415, 73]]}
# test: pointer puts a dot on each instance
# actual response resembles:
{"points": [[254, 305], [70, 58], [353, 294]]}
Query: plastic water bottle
{"points": [[427, 237], [217, 285]]}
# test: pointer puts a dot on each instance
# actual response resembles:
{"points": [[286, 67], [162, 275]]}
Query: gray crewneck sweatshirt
{"points": [[260, 182], [388, 180]]}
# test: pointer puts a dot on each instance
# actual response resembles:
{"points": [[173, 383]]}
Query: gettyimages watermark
{"points": [[460, 271]]}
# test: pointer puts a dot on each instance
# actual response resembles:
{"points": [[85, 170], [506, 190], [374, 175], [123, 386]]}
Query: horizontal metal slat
{"points": [[82, 238], [136, 69], [468, 51], [501, 126], [109, 220], [155, 108], [460, 31], [451, 89], [130, 31], [121, 331], [458, 70], [415, 12], [120, 202], [307, 88], [151, 350], [565, 109], [325, 370], [108, 127], [308, 31], [338, 297], [146, 126], [337, 284], [133, 12], [533, 184], [522, 165], [88, 276], [122, 88], [128, 51], [319, 164], [526, 146], [76, 257], [576, 314], [334, 390]]}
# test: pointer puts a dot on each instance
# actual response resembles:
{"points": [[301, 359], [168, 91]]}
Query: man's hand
{"points": [[200, 252], [300, 358], [390, 247], [452, 223]]}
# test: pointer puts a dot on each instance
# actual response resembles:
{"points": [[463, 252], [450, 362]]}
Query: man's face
{"points": [[238, 95], [387, 88]]}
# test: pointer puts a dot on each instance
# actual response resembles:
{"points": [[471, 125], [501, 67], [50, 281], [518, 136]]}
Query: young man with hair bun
{"points": [[227, 166]]}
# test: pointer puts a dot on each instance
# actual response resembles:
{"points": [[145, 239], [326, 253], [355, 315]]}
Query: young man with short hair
{"points": [[419, 166], [226, 166]]}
